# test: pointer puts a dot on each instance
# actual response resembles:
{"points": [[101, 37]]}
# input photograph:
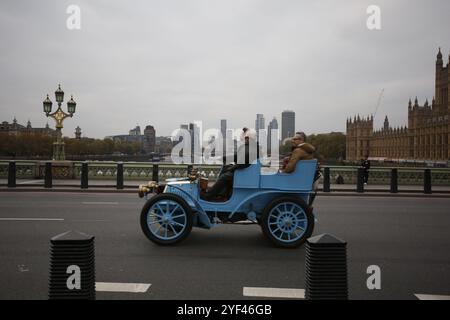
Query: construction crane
{"points": [[378, 102], [376, 108]]}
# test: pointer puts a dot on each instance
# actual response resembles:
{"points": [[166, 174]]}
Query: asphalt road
{"points": [[408, 238], [133, 184]]}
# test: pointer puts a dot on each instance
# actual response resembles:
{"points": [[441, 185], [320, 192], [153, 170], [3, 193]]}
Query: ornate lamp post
{"points": [[59, 115]]}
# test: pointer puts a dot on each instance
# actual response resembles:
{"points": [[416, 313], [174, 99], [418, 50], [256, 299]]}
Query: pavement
{"points": [[408, 238], [130, 186]]}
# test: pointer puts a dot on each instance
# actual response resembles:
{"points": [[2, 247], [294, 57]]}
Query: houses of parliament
{"points": [[426, 138]]}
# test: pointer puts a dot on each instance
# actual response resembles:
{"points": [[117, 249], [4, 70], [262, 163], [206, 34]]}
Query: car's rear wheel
{"points": [[287, 222], [166, 219]]}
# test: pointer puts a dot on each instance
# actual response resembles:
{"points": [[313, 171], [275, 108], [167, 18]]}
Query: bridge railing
{"points": [[382, 175], [143, 171], [118, 174]]}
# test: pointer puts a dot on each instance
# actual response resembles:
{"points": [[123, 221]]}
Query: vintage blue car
{"points": [[280, 203]]}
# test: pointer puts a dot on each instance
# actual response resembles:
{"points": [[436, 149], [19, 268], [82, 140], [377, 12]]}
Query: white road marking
{"points": [[99, 202], [122, 287], [88, 220], [30, 182], [31, 219], [274, 292], [431, 297]]}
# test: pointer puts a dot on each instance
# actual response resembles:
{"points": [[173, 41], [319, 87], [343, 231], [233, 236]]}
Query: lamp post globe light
{"points": [[59, 115]]}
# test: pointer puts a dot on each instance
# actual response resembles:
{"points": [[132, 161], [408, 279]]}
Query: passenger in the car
{"points": [[301, 150]]}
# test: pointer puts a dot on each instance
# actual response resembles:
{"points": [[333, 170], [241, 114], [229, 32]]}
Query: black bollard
{"points": [[48, 183], [394, 180], [155, 173], [326, 180], [326, 268], [360, 180], [72, 266], [12, 174], [84, 175], [427, 181], [119, 184]]}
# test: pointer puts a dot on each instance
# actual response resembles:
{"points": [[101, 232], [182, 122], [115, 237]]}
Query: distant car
{"points": [[280, 203]]}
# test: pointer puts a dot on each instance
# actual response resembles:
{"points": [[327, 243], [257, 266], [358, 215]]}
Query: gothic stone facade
{"points": [[427, 136], [15, 128]]}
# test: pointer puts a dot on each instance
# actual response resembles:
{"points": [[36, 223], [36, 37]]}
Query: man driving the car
{"points": [[244, 157]]}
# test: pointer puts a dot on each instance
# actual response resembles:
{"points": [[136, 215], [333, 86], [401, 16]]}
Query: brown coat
{"points": [[304, 151]]}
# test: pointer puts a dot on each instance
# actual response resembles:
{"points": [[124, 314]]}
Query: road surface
{"points": [[408, 238]]}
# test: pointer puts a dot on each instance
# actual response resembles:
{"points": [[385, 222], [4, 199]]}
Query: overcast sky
{"points": [[170, 62]]}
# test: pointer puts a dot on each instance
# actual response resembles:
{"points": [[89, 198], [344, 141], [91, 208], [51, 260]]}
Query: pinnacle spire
{"points": [[439, 61]]}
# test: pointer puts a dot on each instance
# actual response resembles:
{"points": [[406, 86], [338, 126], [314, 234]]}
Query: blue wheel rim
{"points": [[287, 222], [166, 219]]}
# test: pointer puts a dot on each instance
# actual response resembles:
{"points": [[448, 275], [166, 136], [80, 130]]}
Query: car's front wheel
{"points": [[166, 219]]}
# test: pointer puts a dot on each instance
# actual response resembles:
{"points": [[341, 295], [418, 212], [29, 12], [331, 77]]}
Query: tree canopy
{"points": [[330, 147], [38, 145]]}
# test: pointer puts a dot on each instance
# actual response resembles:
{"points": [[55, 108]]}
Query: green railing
{"points": [[144, 171], [382, 175]]}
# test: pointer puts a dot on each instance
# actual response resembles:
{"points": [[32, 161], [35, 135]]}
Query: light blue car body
{"points": [[252, 191]]}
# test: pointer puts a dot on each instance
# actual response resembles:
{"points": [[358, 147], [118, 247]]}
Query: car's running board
{"points": [[242, 222]]}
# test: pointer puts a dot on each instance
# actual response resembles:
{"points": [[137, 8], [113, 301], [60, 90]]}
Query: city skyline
{"points": [[223, 125], [209, 61]]}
